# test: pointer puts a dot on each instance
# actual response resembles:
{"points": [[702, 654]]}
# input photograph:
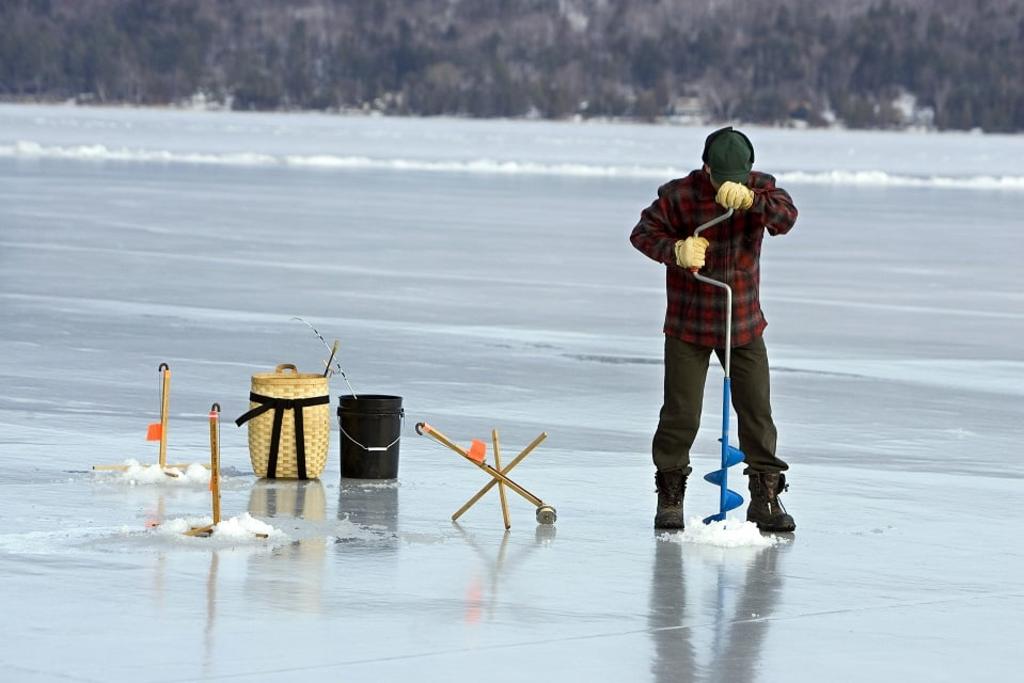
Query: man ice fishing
{"points": [[695, 321]]}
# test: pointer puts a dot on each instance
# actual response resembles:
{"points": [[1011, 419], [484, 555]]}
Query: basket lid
{"points": [[286, 372]]}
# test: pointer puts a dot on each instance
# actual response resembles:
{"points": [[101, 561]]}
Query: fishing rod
{"points": [[333, 350]]}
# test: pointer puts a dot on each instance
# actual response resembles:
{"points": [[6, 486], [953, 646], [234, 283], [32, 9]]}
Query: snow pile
{"points": [[243, 528], [230, 533], [138, 473], [732, 533]]}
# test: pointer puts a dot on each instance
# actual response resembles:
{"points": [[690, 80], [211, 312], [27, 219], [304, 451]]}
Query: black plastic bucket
{"points": [[371, 429]]}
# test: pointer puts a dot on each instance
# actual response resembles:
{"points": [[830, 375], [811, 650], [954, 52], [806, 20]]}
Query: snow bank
{"points": [[732, 533], [138, 473]]}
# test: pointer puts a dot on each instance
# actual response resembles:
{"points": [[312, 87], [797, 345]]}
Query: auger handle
{"points": [[705, 226], [717, 283], [713, 221]]}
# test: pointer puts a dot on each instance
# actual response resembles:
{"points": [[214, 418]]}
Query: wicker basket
{"points": [[276, 400]]}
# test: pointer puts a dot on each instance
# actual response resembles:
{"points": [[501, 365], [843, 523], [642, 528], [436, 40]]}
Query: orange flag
{"points": [[154, 432], [478, 450]]}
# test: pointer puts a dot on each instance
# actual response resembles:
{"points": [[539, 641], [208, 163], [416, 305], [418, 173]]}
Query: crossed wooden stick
{"points": [[477, 455]]}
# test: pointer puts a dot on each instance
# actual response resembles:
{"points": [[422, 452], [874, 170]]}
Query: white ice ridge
{"points": [[732, 533], [883, 179], [138, 473], [24, 149]]}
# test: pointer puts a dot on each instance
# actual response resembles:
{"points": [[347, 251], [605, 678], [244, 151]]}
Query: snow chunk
{"points": [[732, 533], [138, 473], [174, 527], [243, 528]]}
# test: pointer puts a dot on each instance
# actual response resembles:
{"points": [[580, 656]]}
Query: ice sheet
{"points": [[508, 300]]}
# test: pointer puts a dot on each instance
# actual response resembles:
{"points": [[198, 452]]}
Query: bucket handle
{"points": [[374, 449], [286, 366]]}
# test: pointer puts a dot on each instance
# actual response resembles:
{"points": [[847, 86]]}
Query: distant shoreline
{"points": [[356, 112]]}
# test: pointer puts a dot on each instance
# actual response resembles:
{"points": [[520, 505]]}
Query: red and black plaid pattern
{"points": [[696, 311]]}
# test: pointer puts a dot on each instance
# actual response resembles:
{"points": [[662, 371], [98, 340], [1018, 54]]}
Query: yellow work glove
{"points": [[735, 196], [690, 252]]}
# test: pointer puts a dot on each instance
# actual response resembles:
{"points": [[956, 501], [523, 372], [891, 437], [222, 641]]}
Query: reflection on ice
{"points": [[483, 591], [297, 582], [369, 503], [667, 620], [737, 588], [288, 498]]}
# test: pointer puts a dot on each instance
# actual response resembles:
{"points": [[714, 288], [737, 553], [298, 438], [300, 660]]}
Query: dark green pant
{"points": [[686, 369]]}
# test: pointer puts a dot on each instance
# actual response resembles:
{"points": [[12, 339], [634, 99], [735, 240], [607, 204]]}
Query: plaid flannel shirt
{"points": [[696, 311]]}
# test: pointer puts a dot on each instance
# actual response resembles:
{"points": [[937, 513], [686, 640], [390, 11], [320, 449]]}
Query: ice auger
{"points": [[727, 499]]}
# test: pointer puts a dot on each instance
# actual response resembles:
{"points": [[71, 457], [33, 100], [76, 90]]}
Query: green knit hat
{"points": [[729, 155]]}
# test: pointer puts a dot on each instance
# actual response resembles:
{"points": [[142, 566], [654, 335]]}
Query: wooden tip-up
{"points": [[499, 475]]}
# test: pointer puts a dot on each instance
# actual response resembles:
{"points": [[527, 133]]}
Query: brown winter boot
{"points": [[671, 489], [765, 509]]}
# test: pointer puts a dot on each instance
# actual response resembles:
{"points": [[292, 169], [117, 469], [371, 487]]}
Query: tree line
{"points": [[775, 63]]}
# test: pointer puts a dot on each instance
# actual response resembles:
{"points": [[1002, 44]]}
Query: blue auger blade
{"points": [[715, 477], [732, 500], [713, 518], [733, 455], [727, 499]]}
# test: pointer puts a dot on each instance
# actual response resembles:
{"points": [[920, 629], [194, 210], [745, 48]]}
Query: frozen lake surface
{"points": [[481, 270]]}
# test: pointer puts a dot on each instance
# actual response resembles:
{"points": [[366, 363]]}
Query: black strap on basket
{"points": [[279, 405]]}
